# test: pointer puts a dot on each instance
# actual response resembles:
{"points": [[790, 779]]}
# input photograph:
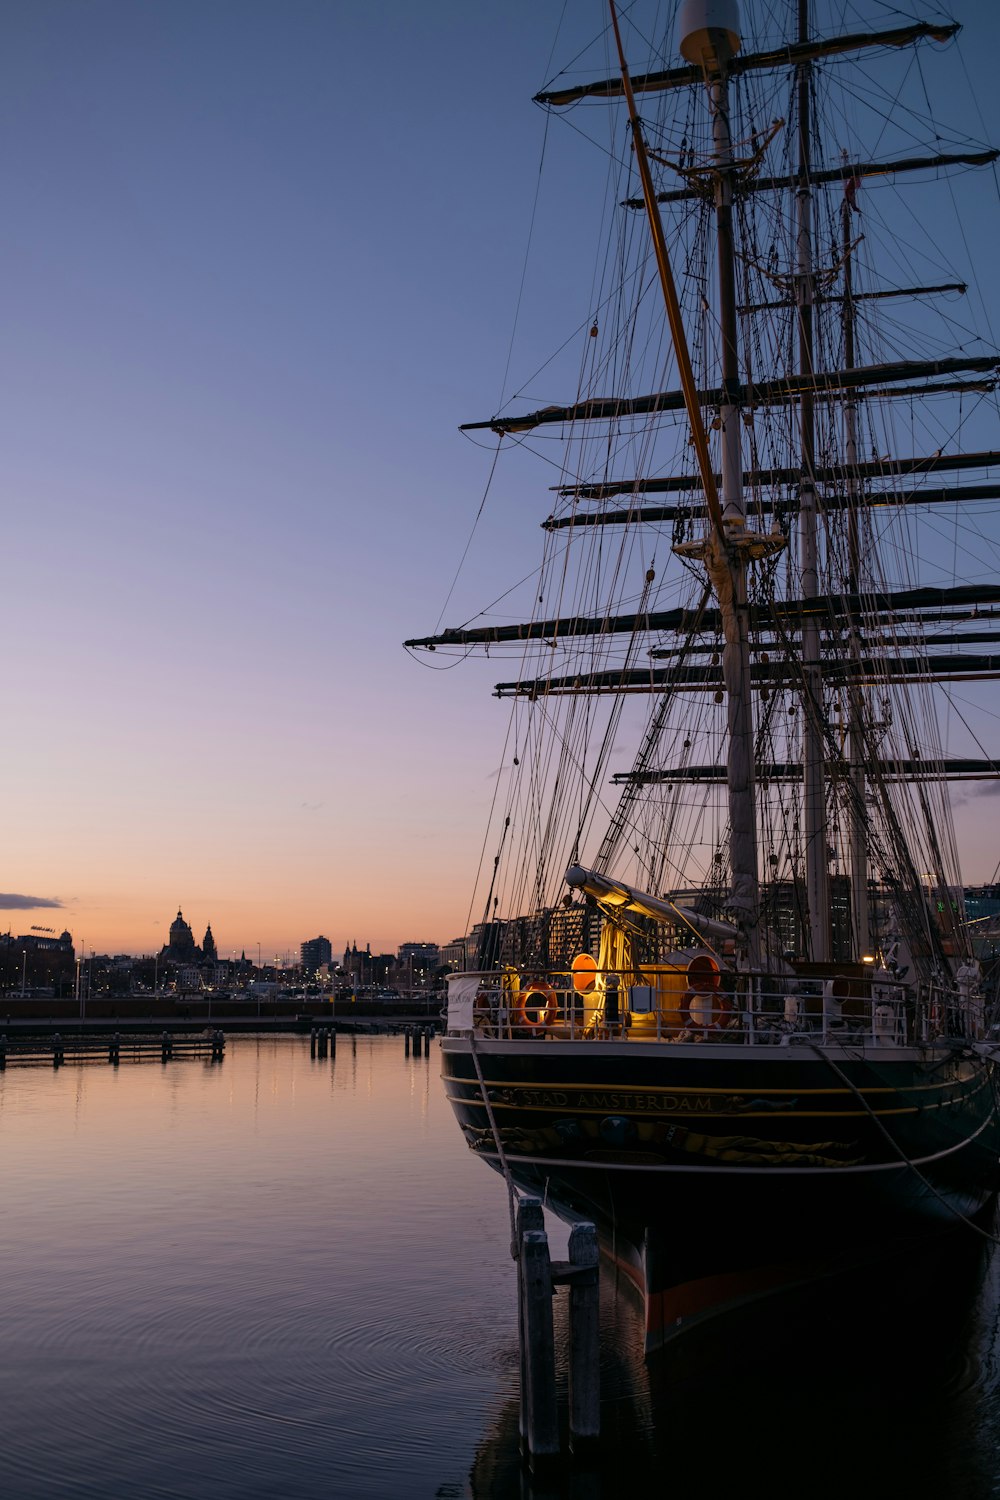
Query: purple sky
{"points": [[259, 261]]}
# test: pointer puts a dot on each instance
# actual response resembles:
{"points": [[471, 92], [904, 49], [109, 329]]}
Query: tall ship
{"points": [[723, 996]]}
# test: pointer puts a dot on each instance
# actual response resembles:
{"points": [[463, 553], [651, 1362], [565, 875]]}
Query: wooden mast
{"points": [[724, 557], [813, 778], [856, 749]]}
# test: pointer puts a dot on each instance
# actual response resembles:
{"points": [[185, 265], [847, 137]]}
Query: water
{"points": [[287, 1277]]}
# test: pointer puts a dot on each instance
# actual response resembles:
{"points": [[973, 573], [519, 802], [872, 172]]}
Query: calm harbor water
{"points": [[283, 1276]]}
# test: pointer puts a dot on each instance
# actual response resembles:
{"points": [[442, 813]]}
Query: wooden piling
{"points": [[584, 1339], [114, 1049], [417, 1039], [406, 1041], [58, 1052], [3, 1053], [529, 1216], [312, 1042], [541, 1415]]}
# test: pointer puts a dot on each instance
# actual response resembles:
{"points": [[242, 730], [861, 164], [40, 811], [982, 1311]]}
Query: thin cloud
{"points": [[25, 903], [975, 794]]}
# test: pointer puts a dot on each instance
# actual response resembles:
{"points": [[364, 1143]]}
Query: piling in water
{"points": [[529, 1216], [584, 1339], [537, 1278], [539, 1360]]}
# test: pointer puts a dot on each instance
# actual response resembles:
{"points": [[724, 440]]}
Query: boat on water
{"points": [[724, 1000]]}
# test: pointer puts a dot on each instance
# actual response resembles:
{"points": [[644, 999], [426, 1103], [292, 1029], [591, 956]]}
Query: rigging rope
{"points": [[984, 1233]]}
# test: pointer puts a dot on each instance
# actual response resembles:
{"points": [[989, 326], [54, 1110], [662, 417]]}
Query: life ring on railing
{"points": [[550, 1012], [703, 1005]]}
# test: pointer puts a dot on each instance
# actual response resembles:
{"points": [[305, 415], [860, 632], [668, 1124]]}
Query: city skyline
{"points": [[255, 951]]}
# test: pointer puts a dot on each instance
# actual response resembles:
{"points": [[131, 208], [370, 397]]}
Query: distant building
{"points": [[483, 945], [357, 965], [181, 946], [30, 961], [418, 960], [452, 955], [364, 969], [315, 952], [182, 950], [982, 902]]}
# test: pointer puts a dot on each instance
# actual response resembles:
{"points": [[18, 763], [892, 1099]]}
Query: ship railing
{"points": [[745, 1009]]}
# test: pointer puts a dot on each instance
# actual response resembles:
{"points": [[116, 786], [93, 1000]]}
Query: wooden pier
{"points": [[57, 1050]]}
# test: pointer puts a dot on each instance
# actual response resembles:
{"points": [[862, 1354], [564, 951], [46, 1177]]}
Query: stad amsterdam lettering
{"points": [[624, 1103]]}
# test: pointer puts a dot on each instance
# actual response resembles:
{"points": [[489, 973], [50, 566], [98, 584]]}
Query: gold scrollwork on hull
{"points": [[585, 1138]]}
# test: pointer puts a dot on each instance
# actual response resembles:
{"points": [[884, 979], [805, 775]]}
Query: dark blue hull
{"points": [[715, 1173]]}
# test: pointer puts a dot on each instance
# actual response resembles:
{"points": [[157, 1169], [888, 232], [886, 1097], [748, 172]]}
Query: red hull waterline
{"points": [[828, 1171]]}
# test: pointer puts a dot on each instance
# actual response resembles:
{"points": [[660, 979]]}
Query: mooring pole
{"points": [[540, 1352], [529, 1216], [584, 1338]]}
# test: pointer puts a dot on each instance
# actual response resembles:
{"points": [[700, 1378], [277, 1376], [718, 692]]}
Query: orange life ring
{"points": [[703, 984], [722, 1009], [548, 995], [584, 969]]}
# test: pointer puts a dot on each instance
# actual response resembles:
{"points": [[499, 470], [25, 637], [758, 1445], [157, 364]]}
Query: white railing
{"points": [[749, 1010]]}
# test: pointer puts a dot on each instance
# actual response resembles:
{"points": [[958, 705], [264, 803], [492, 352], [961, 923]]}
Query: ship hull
{"points": [[716, 1173]]}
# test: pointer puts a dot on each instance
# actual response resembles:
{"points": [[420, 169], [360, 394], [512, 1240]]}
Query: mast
{"points": [[709, 37], [736, 651], [813, 781], [860, 919]]}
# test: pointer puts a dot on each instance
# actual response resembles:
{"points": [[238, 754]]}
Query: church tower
{"points": [[181, 945]]}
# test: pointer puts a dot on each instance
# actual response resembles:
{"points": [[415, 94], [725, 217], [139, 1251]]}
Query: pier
{"points": [[57, 1050]]}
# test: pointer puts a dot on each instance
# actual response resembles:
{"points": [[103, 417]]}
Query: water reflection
{"points": [[286, 1276], [881, 1381]]}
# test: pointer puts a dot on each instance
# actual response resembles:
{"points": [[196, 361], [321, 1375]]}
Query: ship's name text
{"points": [[664, 1104]]}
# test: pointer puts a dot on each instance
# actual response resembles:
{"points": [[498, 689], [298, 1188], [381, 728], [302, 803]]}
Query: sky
{"points": [[259, 262]]}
